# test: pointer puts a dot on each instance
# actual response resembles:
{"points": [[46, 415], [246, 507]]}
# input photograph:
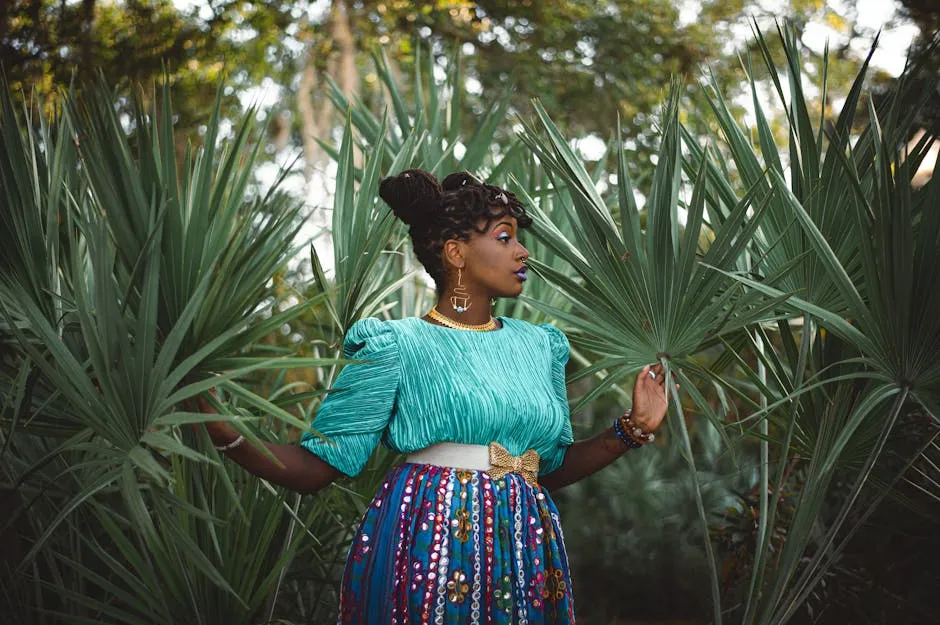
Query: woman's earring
{"points": [[461, 299]]}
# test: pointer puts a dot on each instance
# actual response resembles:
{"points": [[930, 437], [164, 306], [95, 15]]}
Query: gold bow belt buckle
{"points": [[503, 462]]}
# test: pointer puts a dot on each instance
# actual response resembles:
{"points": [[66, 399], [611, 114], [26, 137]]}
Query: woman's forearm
{"points": [[584, 458], [302, 471], [296, 468]]}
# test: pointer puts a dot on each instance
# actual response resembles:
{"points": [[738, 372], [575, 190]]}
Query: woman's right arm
{"points": [[360, 413], [302, 471]]}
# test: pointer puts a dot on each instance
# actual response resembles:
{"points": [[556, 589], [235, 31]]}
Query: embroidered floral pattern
{"points": [[461, 525], [556, 588], [457, 587], [503, 595]]}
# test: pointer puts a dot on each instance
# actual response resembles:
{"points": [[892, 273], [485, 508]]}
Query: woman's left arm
{"points": [[593, 454]]}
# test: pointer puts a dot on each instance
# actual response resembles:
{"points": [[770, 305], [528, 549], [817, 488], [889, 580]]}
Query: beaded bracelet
{"points": [[235, 443], [630, 433]]}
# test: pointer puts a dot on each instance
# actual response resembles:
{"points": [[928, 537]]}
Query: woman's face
{"points": [[495, 259]]}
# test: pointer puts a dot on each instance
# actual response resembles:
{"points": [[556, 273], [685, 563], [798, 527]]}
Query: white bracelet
{"points": [[235, 443]]}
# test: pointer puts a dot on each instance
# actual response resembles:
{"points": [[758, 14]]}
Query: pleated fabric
{"points": [[447, 546], [418, 384]]}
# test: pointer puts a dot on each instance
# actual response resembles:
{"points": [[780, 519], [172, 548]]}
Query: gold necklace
{"points": [[456, 325]]}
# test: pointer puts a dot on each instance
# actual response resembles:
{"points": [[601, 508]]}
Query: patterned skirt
{"points": [[441, 545]]}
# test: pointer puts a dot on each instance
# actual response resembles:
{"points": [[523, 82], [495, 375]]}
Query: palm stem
{"points": [[288, 541], [764, 484], [771, 510], [699, 500]]}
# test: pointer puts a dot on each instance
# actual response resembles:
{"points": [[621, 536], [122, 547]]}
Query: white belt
{"points": [[456, 455], [492, 458]]}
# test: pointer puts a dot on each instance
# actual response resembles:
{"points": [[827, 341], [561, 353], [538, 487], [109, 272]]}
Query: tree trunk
{"points": [[87, 49], [308, 118], [316, 109], [346, 73]]}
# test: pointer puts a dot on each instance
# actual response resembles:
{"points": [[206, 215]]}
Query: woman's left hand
{"points": [[649, 397]]}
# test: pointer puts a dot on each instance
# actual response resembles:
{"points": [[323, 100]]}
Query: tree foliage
{"points": [[589, 61]]}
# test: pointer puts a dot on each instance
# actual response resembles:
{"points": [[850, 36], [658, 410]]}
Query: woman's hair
{"points": [[451, 209]]}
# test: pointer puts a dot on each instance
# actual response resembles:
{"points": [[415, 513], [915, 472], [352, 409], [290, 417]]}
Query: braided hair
{"points": [[437, 212]]}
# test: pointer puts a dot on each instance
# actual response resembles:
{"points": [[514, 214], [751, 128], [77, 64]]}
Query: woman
{"points": [[465, 530]]}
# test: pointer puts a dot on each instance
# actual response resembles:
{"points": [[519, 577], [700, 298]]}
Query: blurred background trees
{"points": [[588, 61]]}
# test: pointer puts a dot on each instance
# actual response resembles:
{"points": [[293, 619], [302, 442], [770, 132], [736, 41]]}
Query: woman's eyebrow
{"points": [[503, 223]]}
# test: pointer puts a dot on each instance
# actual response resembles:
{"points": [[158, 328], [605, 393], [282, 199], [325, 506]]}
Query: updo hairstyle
{"points": [[437, 212]]}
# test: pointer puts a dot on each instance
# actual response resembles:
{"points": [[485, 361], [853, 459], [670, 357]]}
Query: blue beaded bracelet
{"points": [[628, 440], [632, 439]]}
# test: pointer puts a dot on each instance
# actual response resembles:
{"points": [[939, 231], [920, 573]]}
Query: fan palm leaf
{"points": [[649, 297], [847, 235], [140, 272], [645, 296]]}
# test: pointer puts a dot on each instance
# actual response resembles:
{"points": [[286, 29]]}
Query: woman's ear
{"points": [[454, 253]]}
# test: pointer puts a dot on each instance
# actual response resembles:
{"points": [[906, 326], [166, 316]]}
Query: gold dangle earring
{"points": [[460, 299]]}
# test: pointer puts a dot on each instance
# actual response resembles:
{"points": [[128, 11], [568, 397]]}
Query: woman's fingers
{"points": [[657, 373]]}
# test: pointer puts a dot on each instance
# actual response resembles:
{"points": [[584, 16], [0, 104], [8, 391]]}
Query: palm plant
{"points": [[435, 115], [650, 298], [128, 277], [649, 294], [848, 263], [363, 231], [857, 246]]}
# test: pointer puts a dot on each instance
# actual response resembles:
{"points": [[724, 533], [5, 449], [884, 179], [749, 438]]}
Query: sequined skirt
{"points": [[441, 545]]}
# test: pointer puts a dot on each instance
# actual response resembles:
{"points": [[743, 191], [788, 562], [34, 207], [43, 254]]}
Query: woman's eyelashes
{"points": [[506, 237]]}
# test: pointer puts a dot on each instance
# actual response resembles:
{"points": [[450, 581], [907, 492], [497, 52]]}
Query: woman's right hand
{"points": [[221, 432]]}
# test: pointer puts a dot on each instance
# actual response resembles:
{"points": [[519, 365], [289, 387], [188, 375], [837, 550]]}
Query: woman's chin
{"points": [[508, 291]]}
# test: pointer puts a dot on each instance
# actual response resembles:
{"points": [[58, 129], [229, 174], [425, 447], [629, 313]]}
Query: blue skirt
{"points": [[441, 545]]}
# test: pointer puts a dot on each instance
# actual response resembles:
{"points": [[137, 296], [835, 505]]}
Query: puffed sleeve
{"points": [[355, 414], [560, 350]]}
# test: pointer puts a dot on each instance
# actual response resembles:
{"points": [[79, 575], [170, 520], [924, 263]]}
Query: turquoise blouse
{"points": [[423, 384]]}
